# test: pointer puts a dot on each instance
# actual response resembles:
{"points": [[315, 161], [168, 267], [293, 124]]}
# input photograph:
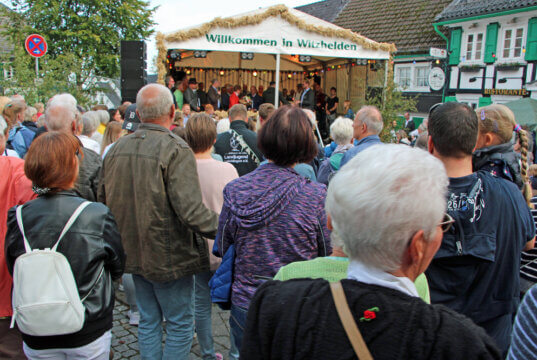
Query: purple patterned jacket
{"points": [[274, 217]]}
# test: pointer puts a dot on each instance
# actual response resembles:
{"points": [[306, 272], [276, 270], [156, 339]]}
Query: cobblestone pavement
{"points": [[125, 336]]}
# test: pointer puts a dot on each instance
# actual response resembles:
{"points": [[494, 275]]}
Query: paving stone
{"points": [[125, 337]]}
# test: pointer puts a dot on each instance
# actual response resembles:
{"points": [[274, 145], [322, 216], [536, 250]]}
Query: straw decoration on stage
{"points": [[278, 10]]}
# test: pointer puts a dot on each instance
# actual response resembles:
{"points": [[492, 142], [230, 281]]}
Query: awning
{"points": [[274, 35]]}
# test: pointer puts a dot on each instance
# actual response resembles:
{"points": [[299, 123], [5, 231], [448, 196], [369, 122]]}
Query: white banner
{"points": [[275, 35]]}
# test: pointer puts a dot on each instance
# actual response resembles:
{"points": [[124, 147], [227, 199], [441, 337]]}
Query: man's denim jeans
{"points": [[173, 301], [204, 329], [237, 323]]}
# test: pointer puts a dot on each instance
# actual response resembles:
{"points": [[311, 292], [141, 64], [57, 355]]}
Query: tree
{"points": [[83, 37], [391, 103]]}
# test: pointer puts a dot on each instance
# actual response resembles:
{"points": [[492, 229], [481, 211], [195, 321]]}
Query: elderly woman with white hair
{"points": [[341, 132], [390, 233], [89, 125]]}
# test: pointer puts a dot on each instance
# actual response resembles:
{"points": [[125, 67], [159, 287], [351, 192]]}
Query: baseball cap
{"points": [[132, 121]]}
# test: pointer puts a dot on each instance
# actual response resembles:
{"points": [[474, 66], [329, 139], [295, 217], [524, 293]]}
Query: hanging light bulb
{"points": [[289, 76], [254, 73], [221, 72]]}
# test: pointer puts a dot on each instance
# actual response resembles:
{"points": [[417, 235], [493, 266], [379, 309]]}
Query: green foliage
{"points": [[83, 42], [392, 104]]}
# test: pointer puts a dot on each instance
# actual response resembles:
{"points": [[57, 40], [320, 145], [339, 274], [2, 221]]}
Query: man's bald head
{"points": [[154, 103]]}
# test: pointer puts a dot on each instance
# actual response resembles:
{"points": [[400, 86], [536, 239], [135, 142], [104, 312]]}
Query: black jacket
{"points": [[270, 94], [297, 319], [244, 159], [92, 242], [308, 101], [88, 175]]}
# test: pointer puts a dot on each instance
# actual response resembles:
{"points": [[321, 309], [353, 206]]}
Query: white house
{"points": [[492, 55]]}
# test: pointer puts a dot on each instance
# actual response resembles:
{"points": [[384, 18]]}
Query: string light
{"points": [[254, 73], [221, 72], [289, 76]]}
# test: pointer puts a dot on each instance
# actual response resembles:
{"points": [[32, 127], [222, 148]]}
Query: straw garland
{"points": [[278, 10]]}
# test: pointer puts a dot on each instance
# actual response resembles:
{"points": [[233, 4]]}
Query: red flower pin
{"points": [[370, 314]]}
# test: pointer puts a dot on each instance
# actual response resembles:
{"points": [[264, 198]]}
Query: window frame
{"points": [[473, 51], [512, 42], [413, 69]]}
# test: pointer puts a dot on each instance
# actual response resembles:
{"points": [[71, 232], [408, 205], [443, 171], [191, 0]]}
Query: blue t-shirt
{"points": [[476, 270]]}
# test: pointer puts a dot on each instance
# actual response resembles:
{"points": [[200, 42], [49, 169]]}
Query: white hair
{"points": [[29, 113], [312, 117], [341, 130], [103, 116], [376, 208], [65, 98], [153, 101], [372, 117], [222, 126], [90, 122], [60, 115]]}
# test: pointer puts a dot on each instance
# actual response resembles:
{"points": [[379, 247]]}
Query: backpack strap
{"points": [[66, 228], [21, 228], [70, 222]]}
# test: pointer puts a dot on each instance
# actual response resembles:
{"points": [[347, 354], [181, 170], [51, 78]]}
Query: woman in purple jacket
{"points": [[272, 215]]}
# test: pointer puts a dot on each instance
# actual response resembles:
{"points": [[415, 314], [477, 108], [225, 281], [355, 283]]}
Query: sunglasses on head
{"points": [[446, 223]]}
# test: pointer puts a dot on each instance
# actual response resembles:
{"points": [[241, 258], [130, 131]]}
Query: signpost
{"points": [[37, 47]]}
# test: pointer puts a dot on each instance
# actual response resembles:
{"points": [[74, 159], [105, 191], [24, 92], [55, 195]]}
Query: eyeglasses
{"points": [[446, 223]]}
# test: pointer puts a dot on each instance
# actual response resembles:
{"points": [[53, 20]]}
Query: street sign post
{"points": [[37, 47]]}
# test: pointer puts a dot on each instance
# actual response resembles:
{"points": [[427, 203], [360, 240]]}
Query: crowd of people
{"points": [[191, 96], [417, 250]]}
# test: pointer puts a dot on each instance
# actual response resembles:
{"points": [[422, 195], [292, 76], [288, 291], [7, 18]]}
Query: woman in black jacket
{"points": [[92, 246]]}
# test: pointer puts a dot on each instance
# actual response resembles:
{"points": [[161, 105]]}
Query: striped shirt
{"points": [[528, 264], [524, 342]]}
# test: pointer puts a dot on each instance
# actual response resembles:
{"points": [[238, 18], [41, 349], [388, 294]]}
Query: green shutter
{"points": [[484, 101], [531, 44], [491, 42], [450, 99], [455, 46]]}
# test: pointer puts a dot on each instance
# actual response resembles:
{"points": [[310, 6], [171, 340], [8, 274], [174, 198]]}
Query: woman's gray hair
{"points": [[341, 130], [90, 122], [153, 101], [103, 116], [381, 198]]}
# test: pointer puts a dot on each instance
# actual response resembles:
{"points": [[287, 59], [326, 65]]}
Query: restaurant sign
{"points": [[515, 92]]}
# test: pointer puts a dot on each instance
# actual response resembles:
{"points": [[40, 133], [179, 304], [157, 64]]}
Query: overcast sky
{"points": [[179, 14]]}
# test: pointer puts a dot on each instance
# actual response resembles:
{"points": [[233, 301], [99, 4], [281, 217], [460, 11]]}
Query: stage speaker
{"points": [[133, 65]]}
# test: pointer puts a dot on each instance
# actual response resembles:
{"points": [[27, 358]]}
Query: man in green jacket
{"points": [[149, 181]]}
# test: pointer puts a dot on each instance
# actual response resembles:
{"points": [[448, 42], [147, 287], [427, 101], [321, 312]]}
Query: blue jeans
{"points": [[237, 322], [173, 300], [204, 328], [130, 293]]}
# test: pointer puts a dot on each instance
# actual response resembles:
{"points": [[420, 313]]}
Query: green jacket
{"points": [[150, 182]]}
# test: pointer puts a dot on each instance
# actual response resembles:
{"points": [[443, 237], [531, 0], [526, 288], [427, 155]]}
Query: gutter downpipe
{"points": [[448, 76]]}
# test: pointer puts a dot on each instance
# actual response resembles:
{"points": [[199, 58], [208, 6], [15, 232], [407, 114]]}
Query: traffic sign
{"points": [[36, 45]]}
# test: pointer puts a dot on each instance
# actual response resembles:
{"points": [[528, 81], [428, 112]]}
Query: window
{"points": [[403, 77], [474, 46], [421, 76], [412, 76], [512, 43]]}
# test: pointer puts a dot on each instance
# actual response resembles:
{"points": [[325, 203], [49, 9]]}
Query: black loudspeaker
{"points": [[133, 73]]}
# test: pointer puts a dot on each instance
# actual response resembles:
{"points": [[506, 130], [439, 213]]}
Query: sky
{"points": [[175, 15]]}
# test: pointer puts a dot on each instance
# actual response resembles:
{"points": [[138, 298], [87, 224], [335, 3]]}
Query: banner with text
{"points": [[275, 35]]}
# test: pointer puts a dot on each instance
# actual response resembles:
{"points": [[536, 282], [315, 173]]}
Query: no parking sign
{"points": [[36, 45]]}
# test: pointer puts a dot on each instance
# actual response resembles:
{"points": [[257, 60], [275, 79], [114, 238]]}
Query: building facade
{"points": [[492, 54]]}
